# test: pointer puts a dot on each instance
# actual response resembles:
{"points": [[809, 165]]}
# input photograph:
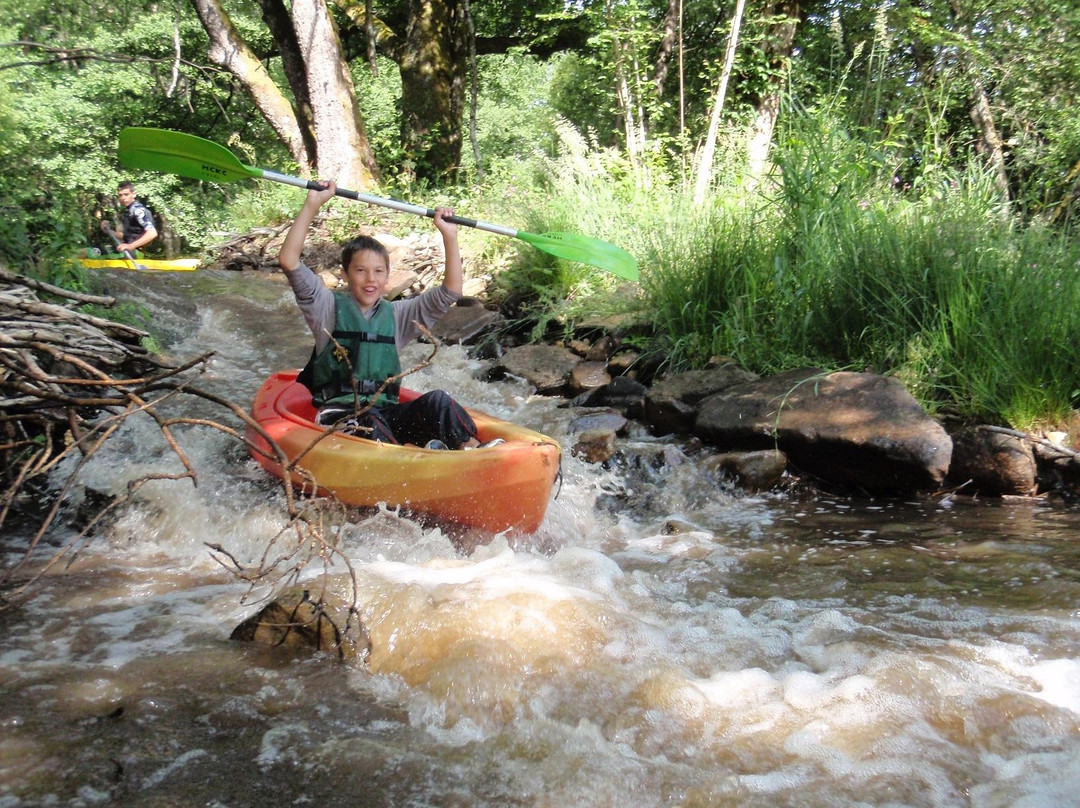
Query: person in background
{"points": [[137, 228], [368, 334]]}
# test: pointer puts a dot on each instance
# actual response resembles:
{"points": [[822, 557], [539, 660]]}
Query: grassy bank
{"points": [[834, 264]]}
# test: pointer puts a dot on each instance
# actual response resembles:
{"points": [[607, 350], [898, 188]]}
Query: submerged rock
{"points": [[295, 621]]}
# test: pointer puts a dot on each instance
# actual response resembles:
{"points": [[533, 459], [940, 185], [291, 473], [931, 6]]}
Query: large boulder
{"points": [[465, 321], [859, 430]]}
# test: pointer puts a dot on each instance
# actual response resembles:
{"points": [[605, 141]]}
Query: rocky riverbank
{"points": [[858, 433]]}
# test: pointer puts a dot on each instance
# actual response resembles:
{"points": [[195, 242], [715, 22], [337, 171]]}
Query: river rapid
{"points": [[661, 641]]}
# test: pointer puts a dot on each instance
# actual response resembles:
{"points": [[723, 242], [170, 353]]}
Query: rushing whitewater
{"points": [[661, 640]]}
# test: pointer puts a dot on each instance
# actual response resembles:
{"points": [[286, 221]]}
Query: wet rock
{"points": [[621, 393], [578, 346], [675, 526], [295, 621], [594, 445], [671, 404], [751, 471], [668, 416], [545, 367], [987, 461], [602, 419], [622, 364], [602, 349], [465, 322], [858, 430], [588, 376], [1058, 471]]}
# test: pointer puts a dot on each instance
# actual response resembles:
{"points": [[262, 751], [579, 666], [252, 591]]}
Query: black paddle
{"points": [[128, 254]]}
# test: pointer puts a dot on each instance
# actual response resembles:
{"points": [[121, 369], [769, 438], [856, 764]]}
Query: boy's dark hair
{"points": [[125, 184], [359, 244]]}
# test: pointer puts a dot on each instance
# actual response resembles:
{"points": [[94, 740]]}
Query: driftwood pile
{"points": [[60, 366], [68, 381]]}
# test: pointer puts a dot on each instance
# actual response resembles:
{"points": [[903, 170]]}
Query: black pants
{"points": [[433, 415]]}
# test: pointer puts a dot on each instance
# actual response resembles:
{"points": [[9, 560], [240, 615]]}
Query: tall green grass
{"points": [[830, 265]]}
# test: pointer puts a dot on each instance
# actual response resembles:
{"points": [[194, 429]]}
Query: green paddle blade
{"points": [[190, 156], [178, 153], [586, 250]]}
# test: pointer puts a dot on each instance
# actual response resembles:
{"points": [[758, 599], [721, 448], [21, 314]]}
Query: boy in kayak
{"points": [[137, 228], [368, 334]]}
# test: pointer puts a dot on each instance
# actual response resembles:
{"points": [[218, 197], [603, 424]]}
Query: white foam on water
{"points": [[1059, 682], [733, 659]]}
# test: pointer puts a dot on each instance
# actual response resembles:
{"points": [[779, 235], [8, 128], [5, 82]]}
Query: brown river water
{"points": [[768, 652]]}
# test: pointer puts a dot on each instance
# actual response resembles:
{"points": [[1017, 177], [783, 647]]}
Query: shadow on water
{"points": [[660, 641]]}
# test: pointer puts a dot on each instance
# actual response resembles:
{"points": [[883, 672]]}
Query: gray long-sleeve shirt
{"points": [[319, 308]]}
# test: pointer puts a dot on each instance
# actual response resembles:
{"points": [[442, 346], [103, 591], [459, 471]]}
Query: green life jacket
{"points": [[371, 352]]}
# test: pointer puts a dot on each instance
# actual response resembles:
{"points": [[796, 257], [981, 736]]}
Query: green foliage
{"points": [[58, 165], [379, 95], [937, 284], [514, 119], [581, 93]]}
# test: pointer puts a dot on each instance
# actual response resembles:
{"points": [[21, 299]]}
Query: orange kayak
{"points": [[504, 487]]}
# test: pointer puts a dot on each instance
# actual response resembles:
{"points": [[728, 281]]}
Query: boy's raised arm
{"points": [[453, 275], [289, 255]]}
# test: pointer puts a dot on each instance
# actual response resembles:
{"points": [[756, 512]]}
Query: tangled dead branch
{"points": [[68, 381]]}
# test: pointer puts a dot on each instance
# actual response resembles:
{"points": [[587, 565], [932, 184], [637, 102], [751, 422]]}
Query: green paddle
{"points": [[200, 159]]}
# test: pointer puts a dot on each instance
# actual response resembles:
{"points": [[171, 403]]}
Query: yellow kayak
{"points": [[504, 487], [162, 265]]}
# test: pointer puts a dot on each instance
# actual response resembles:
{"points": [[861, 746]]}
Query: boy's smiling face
{"points": [[367, 276]]}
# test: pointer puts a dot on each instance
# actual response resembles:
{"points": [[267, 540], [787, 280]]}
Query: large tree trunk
{"points": [[277, 19], [344, 152], [228, 49], [778, 45], [433, 59], [324, 132]]}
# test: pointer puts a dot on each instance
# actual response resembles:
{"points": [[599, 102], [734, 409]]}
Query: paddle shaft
{"points": [[200, 159], [394, 204]]}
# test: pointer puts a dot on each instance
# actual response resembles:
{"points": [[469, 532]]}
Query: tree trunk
{"points": [[229, 50], [778, 45], [708, 151], [344, 152], [324, 132], [278, 21], [433, 63], [667, 43], [989, 142]]}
